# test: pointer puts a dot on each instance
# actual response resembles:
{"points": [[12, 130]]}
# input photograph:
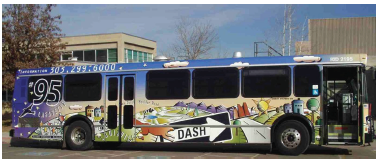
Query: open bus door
{"points": [[368, 122], [119, 107], [343, 104]]}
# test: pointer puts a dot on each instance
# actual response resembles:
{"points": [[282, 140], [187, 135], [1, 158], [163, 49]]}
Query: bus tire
{"points": [[292, 138], [78, 136]]}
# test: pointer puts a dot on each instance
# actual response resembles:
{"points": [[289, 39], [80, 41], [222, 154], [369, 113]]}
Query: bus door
{"points": [[119, 107], [341, 104]]}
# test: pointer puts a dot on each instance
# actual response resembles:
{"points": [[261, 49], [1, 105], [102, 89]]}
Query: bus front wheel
{"points": [[292, 138], [78, 136]]}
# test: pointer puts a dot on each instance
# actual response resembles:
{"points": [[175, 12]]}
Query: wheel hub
{"points": [[291, 138], [78, 136]]}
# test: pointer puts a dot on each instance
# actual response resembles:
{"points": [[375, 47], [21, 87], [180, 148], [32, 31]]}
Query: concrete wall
{"points": [[303, 48], [121, 41]]}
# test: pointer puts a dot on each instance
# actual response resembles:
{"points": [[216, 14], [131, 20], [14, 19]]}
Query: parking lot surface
{"points": [[125, 151]]}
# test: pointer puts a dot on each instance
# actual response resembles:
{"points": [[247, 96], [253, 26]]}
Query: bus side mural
{"points": [[258, 112]]}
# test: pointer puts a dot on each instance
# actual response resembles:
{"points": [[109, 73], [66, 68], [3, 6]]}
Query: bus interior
{"points": [[342, 106]]}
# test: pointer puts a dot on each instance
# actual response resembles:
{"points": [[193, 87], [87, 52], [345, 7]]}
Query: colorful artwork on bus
{"points": [[43, 103], [262, 111]]}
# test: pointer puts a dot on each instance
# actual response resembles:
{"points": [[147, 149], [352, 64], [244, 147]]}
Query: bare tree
{"points": [[290, 27], [222, 52], [195, 39], [282, 28], [301, 43], [168, 53]]}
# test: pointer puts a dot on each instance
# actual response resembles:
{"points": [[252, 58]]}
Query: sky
{"points": [[238, 26]]}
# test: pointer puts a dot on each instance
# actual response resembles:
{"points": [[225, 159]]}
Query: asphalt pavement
{"points": [[126, 151]]}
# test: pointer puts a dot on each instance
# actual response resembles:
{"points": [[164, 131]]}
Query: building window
{"points": [[141, 57], [78, 54], [112, 55], [90, 56], [66, 55], [149, 56], [101, 55], [135, 56], [215, 83], [168, 84], [128, 57], [83, 87], [145, 57], [307, 81], [273, 81]]}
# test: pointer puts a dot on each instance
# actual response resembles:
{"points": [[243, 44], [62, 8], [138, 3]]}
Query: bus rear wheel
{"points": [[78, 136], [291, 138]]}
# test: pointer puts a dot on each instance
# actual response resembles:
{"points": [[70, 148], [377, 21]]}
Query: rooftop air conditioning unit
{"points": [[160, 58], [237, 55]]}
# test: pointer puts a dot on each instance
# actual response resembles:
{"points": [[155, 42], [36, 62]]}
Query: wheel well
{"points": [[82, 118], [304, 120]]}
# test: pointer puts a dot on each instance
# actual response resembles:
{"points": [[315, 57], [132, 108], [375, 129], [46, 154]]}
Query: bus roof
{"points": [[181, 64]]}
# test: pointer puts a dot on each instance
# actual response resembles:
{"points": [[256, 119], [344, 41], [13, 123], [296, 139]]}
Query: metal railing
{"points": [[270, 51]]}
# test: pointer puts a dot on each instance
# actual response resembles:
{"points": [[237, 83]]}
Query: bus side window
{"points": [[83, 87], [168, 84], [215, 83], [307, 81], [273, 81]]}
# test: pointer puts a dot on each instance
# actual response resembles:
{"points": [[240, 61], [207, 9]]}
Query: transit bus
{"points": [[285, 103]]}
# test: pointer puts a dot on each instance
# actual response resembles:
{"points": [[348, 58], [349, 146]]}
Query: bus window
{"points": [[168, 84], [215, 83], [273, 81], [112, 116], [83, 87], [128, 115], [307, 81], [45, 88], [113, 89], [129, 88]]}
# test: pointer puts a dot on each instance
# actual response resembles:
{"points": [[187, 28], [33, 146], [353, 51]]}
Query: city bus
{"points": [[286, 103]]}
